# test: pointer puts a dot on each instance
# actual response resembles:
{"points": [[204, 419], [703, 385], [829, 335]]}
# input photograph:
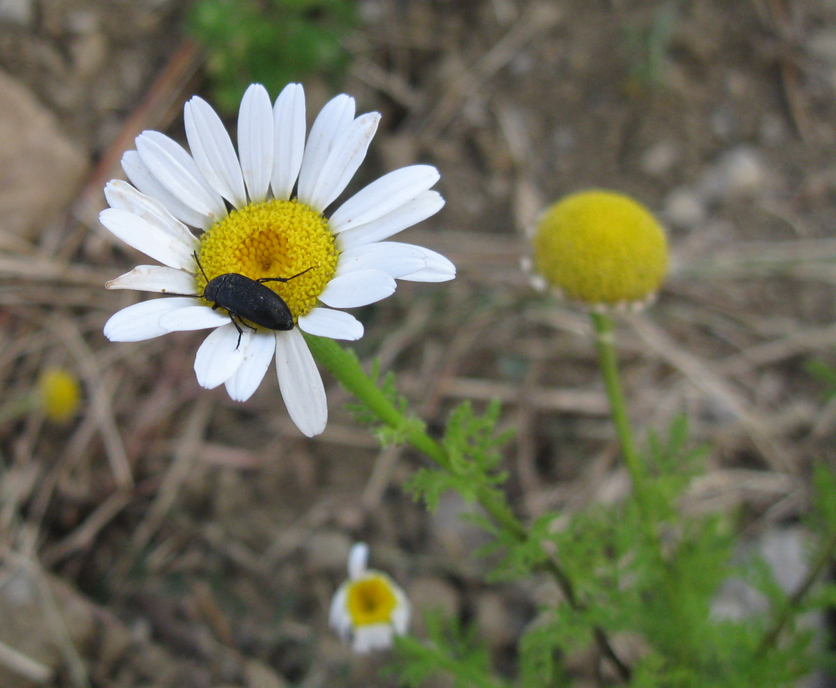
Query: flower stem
{"points": [[605, 344], [345, 366], [821, 558]]}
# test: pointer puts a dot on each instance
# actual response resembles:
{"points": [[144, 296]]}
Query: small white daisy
{"points": [[369, 608], [260, 213]]}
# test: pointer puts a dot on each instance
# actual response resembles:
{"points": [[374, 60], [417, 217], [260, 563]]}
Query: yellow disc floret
{"points": [[601, 247], [276, 238], [371, 600]]}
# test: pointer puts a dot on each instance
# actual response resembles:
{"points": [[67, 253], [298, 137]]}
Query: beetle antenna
{"points": [[283, 279], [197, 260]]}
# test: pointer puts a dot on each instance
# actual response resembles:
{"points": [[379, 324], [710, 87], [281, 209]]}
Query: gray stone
{"points": [[431, 594], [41, 170], [658, 160], [20, 12], [328, 551], [684, 208]]}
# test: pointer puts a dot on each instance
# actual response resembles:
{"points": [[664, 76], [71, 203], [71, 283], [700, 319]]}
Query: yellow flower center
{"points": [[59, 394], [276, 238], [601, 247], [371, 600]]}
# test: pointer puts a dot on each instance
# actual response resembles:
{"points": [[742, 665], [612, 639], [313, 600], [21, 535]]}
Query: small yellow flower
{"points": [[369, 608], [59, 394], [601, 248]]}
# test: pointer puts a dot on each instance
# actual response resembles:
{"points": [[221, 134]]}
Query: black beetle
{"points": [[248, 300]]}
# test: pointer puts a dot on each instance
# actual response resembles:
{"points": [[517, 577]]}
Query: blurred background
{"points": [[166, 536]]}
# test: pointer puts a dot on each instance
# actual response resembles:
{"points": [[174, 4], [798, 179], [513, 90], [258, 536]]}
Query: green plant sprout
{"points": [[271, 43]]}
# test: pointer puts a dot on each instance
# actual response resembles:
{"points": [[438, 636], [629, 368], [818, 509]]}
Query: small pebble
{"points": [[684, 208], [659, 159], [328, 551]]}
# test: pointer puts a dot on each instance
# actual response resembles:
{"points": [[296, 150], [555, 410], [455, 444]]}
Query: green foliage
{"points": [[645, 571], [824, 373], [822, 517], [449, 651], [386, 434], [473, 449], [272, 42], [648, 46], [642, 573]]}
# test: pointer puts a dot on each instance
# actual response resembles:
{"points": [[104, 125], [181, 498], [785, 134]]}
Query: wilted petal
{"points": [[155, 278]]}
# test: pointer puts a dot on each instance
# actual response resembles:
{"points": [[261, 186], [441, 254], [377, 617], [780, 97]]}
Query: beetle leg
{"points": [[237, 327]]}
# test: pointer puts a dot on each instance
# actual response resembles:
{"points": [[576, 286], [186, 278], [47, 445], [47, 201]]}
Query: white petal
{"points": [[338, 616], [300, 383], [174, 168], [439, 269], [197, 317], [401, 612], [325, 322], [249, 375], [358, 558], [346, 156], [219, 356], [255, 141], [289, 139], [358, 288], [329, 125], [390, 257], [142, 320], [213, 151], [137, 171], [420, 208], [123, 196], [372, 637], [383, 196], [159, 241], [155, 278]]}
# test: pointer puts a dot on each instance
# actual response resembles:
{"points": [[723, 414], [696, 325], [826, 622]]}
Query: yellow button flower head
{"points": [[369, 608], [601, 248], [59, 394]]}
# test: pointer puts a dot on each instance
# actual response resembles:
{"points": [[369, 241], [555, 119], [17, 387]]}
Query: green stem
{"points": [[605, 344], [345, 366], [822, 558]]}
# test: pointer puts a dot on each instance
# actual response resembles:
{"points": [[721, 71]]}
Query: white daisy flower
{"points": [[260, 213], [369, 608]]}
